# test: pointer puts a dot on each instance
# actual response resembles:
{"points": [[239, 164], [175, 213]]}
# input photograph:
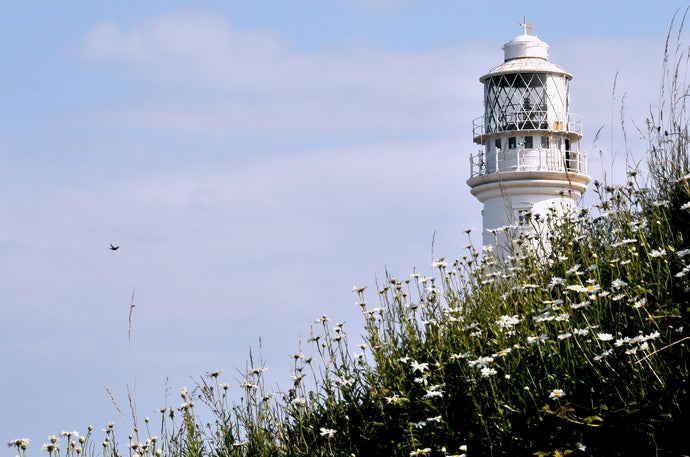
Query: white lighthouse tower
{"points": [[530, 164]]}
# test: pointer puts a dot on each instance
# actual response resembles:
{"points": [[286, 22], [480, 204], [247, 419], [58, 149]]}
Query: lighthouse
{"points": [[530, 165]]}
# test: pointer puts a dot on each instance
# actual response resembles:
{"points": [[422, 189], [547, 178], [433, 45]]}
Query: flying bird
{"points": [[114, 248]]}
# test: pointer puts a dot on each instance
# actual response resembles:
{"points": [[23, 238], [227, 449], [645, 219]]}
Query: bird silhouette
{"points": [[114, 248]]}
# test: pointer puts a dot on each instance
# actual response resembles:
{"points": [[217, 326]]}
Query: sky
{"points": [[254, 161]]}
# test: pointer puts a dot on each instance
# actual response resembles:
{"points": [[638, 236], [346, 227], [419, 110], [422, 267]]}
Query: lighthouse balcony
{"points": [[489, 125], [539, 159]]}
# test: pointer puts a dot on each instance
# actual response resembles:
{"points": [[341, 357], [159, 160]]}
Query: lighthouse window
{"points": [[545, 142], [524, 216], [528, 142], [511, 142]]}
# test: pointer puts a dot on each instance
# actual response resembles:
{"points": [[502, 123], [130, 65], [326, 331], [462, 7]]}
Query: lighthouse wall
{"points": [[510, 215]]}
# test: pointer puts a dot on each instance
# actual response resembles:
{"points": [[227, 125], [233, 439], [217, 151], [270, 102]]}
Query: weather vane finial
{"points": [[526, 26]]}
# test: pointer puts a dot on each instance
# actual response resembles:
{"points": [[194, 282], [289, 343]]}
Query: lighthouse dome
{"points": [[523, 46]]}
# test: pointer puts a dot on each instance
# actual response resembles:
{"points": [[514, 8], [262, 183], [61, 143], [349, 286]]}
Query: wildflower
{"points": [[544, 317], [618, 297], [580, 446], [656, 253], [556, 394], [416, 452], [563, 336], [344, 382], [583, 304], [621, 341], [419, 424], [394, 399], [183, 393], [248, 385], [604, 336], [639, 303], [659, 203], [440, 263], [685, 206], [653, 336], [239, 443], [581, 331], [502, 352], [299, 401], [683, 272], [573, 270], [486, 372], [618, 283], [563, 318], [624, 242], [404, 359], [683, 253], [434, 391], [464, 355], [577, 288], [508, 321], [481, 362], [329, 432], [359, 290], [592, 289], [603, 355], [537, 339], [421, 367], [22, 443], [435, 419]]}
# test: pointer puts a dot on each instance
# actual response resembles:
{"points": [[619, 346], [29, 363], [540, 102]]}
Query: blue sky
{"points": [[254, 161]]}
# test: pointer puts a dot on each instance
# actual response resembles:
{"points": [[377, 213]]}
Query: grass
{"points": [[573, 344]]}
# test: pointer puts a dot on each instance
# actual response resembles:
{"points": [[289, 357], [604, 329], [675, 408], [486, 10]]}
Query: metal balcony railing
{"points": [[551, 159], [521, 121]]}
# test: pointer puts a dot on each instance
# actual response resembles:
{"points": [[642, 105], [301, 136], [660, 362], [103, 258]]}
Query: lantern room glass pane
{"points": [[524, 101]]}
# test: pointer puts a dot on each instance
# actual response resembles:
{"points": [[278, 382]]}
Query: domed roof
{"points": [[526, 53], [525, 46]]}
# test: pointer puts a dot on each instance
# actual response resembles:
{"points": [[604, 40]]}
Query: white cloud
{"points": [[204, 76]]}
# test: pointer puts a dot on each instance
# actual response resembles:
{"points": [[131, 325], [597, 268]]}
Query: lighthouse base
{"points": [[513, 201]]}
